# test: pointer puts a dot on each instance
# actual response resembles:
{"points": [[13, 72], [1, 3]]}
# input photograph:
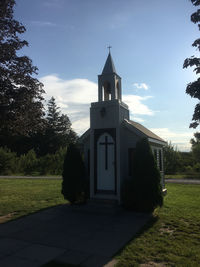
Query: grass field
{"points": [[172, 238], [19, 197]]}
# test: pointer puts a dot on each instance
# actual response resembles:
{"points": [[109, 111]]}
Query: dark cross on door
{"points": [[106, 144]]}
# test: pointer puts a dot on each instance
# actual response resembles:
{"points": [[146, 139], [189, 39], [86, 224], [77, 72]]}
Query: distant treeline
{"points": [[177, 162], [30, 164]]}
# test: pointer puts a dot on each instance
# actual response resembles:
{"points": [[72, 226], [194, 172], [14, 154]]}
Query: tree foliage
{"points": [[172, 159], [21, 108], [196, 147], [193, 88], [57, 133], [143, 192], [8, 161], [30, 163]]}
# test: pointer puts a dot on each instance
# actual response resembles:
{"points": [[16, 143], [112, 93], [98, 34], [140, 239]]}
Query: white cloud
{"points": [[141, 86], [43, 23], [136, 106], [74, 98], [179, 139]]}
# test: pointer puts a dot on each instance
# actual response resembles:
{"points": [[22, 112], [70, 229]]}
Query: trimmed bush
{"points": [[143, 192], [74, 185]]}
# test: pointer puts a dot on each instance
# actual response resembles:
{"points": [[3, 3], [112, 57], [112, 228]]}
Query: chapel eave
{"points": [[143, 131]]}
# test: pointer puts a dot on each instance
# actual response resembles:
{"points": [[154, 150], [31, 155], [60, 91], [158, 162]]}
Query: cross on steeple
{"points": [[109, 48]]}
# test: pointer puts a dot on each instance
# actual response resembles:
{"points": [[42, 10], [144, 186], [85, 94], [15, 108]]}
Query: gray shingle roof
{"points": [[144, 130], [109, 66]]}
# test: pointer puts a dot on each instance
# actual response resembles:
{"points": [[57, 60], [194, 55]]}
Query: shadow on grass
{"points": [[153, 219]]}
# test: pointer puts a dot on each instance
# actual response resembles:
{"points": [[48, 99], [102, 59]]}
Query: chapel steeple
{"points": [[109, 82], [109, 66]]}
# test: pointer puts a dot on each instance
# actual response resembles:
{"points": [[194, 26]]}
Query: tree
{"points": [[196, 147], [74, 185], [171, 159], [21, 98], [193, 88], [58, 132], [143, 192]]}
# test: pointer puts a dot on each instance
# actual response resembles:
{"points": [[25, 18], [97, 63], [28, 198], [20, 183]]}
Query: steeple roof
{"points": [[109, 66]]}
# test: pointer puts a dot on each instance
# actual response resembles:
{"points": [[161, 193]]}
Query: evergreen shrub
{"points": [[74, 185], [143, 191]]}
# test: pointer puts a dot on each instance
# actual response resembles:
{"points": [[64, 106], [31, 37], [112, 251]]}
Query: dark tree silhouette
{"points": [[21, 108], [193, 88], [74, 185], [143, 192]]}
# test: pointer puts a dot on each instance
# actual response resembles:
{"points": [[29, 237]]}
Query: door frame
{"points": [[97, 134]]}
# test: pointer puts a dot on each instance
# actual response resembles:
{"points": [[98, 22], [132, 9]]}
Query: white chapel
{"points": [[110, 142]]}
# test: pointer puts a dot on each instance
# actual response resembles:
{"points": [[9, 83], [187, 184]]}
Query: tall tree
{"points": [[58, 132], [193, 88], [21, 108]]}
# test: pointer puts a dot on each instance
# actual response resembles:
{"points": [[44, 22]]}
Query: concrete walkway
{"points": [[69, 235]]}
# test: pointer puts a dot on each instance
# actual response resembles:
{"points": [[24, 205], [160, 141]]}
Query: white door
{"points": [[105, 163]]}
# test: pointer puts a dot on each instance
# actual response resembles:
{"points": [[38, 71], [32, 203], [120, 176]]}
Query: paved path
{"points": [[67, 234], [182, 181]]}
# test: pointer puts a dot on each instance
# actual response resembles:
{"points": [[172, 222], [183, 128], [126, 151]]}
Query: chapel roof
{"points": [[109, 66], [144, 130]]}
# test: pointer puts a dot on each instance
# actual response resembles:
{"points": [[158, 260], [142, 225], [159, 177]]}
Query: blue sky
{"points": [[150, 39]]}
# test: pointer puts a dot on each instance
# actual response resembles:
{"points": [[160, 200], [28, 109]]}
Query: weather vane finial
{"points": [[109, 48]]}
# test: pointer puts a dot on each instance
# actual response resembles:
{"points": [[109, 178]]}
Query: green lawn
{"points": [[19, 197], [173, 239]]}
